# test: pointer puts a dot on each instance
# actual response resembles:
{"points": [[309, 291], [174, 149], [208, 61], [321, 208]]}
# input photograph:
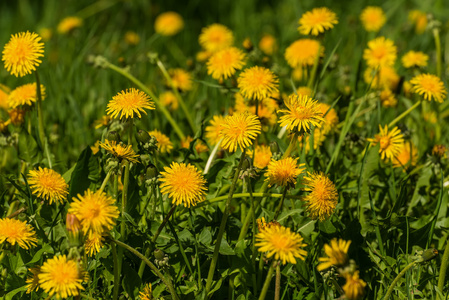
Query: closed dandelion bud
{"points": [[429, 254], [113, 136], [159, 254], [151, 172], [274, 147], [143, 136], [247, 163]]}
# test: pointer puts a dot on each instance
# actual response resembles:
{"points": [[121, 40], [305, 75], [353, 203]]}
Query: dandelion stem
{"points": [[443, 268], [315, 68], [253, 246], [212, 157], [105, 181], [436, 35], [266, 285], [398, 118], [116, 272], [213, 263], [399, 276], [167, 217], [277, 289], [281, 203], [291, 146], [40, 120]]}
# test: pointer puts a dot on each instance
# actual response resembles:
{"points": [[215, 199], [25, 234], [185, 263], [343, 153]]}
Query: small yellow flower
{"points": [[164, 145], [354, 286], [266, 112], [337, 253], [387, 98], [247, 44], [15, 231], [93, 243], [147, 293], [268, 44], [132, 38], [385, 77], [214, 129], [407, 156], [48, 184], [33, 281], [373, 18], [303, 52], [419, 18], [61, 277], [200, 147], [68, 24], [257, 82], [390, 142], [239, 130], [323, 196], [181, 79], [413, 59], [224, 63], [96, 211], [262, 156], [169, 99], [168, 23], [21, 54], [429, 86], [282, 243], [284, 172], [24, 95], [120, 151], [183, 183], [216, 37], [381, 52], [317, 21], [129, 102]]}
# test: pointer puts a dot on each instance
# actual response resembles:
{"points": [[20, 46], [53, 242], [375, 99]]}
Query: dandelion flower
{"points": [[33, 281], [385, 77], [120, 151], [104, 121], [169, 100], [216, 37], [132, 38], [164, 144], [419, 18], [266, 112], [284, 172], [239, 130], [183, 183], [381, 52], [429, 86], [96, 211], [413, 59], [337, 253], [168, 23], [257, 82], [262, 156], [407, 155], [21, 54], [302, 112], [268, 44], [373, 18], [93, 243], [354, 286], [129, 102], [303, 52], [282, 243], [323, 196], [387, 98], [15, 231], [224, 63], [68, 24], [317, 21], [181, 79], [147, 293], [213, 130], [17, 116], [200, 147], [24, 95], [48, 184], [390, 142], [61, 277]]}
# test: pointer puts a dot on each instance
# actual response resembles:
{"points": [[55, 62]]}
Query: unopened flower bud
{"points": [[159, 254], [274, 147], [143, 136], [113, 136], [429, 254], [151, 172]]}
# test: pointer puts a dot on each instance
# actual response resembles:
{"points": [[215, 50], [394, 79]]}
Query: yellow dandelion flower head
{"points": [[96, 147], [302, 112], [48, 184], [268, 44], [381, 52], [169, 100], [21, 54], [15, 231], [61, 277], [282, 243], [407, 156], [389, 142], [147, 293], [323, 196], [430, 86], [17, 116], [4, 94], [120, 151], [199, 146], [216, 37], [330, 117], [284, 172], [337, 254], [262, 156], [373, 18], [304, 91], [24, 95], [303, 52], [183, 183], [257, 82], [247, 44], [317, 21], [96, 211], [385, 77], [168, 23], [132, 38], [213, 130], [93, 243], [419, 18], [164, 145], [129, 102], [354, 287], [224, 63], [239, 130], [69, 23], [181, 79], [33, 281], [413, 59], [104, 121], [388, 98]]}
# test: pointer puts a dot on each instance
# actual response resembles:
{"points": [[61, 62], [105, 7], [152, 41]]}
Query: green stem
{"points": [[142, 263], [253, 246], [398, 118], [399, 276], [436, 35], [443, 268], [281, 203], [213, 263], [40, 120], [277, 290], [116, 272], [266, 285], [291, 146], [167, 217], [164, 279], [105, 181], [315, 68]]}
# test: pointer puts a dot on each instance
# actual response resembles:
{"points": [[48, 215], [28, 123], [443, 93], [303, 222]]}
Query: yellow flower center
{"points": [[384, 142], [280, 242], [63, 276]]}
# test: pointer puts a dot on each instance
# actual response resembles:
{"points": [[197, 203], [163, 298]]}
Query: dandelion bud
{"points": [[274, 147], [17, 116], [247, 163], [429, 254], [143, 136], [159, 254], [113, 136], [151, 172]]}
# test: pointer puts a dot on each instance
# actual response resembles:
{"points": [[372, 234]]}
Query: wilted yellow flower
{"points": [[132, 38], [169, 99], [129, 102], [214, 129], [239, 130], [284, 172], [323, 196], [120, 151], [168, 23], [33, 281], [381, 52], [268, 44], [17, 116], [15, 231], [24, 95], [164, 145], [407, 156], [182, 80], [337, 253], [390, 142], [430, 86], [373, 18], [419, 18], [48, 184], [303, 52], [257, 82], [216, 37], [68, 24], [354, 286], [414, 59], [317, 21], [302, 112], [147, 293], [224, 63]]}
